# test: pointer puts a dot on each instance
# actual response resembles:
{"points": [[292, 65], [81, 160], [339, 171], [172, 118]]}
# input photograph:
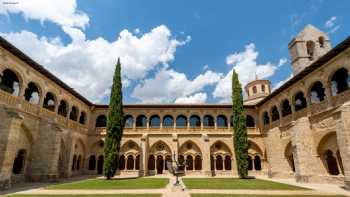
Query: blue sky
{"points": [[171, 51]]}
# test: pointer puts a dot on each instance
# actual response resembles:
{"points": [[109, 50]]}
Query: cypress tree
{"points": [[239, 128], [114, 125]]}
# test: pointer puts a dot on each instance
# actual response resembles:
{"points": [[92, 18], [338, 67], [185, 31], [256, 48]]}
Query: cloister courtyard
{"points": [[162, 186]]}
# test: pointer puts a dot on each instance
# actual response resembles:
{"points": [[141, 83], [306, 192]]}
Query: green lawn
{"points": [[234, 183], [244, 195], [127, 183], [104, 195]]}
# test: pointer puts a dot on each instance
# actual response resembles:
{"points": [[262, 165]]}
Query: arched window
{"points": [[141, 121], [219, 163], [18, 164], [263, 88], [195, 121], [82, 118], [130, 163], [92, 162], [78, 162], [250, 163], [198, 163], [331, 162], [63, 108], [31, 93], [250, 121], [310, 49], [181, 121], [254, 90], [137, 162], [74, 114], [257, 163], [100, 164], [151, 162], [101, 121], [299, 101], [286, 108], [167, 159], [49, 101], [168, 121], [340, 81], [154, 121], [321, 41], [74, 163], [128, 121], [189, 162], [9, 82], [275, 114], [121, 162], [317, 92], [266, 118], [208, 121], [221, 121], [228, 163]]}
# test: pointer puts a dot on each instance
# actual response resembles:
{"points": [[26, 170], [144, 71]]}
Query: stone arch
{"points": [[63, 108], [316, 92], [208, 121], [266, 118], [73, 115], [220, 148], [168, 121], [255, 156], [289, 155], [221, 121], [130, 147], [101, 121], [79, 152], [82, 117], [339, 81], [62, 159], [11, 81], [286, 108], [299, 101], [32, 93], [192, 154], [250, 122], [141, 121], [128, 121], [328, 150], [49, 101], [181, 121], [154, 121], [275, 115], [321, 41], [195, 121], [310, 49], [160, 148]]}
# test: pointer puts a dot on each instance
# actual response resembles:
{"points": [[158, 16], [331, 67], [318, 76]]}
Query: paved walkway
{"points": [[181, 191]]}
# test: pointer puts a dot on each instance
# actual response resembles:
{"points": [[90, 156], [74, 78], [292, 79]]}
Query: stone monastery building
{"points": [[300, 130]]}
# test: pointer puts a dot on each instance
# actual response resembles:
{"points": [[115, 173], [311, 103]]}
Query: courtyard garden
{"points": [[124, 183], [235, 183]]}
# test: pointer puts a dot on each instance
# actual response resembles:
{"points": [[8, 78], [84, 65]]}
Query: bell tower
{"points": [[309, 45], [257, 90]]}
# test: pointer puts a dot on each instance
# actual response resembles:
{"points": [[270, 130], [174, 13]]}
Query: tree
{"points": [[114, 126], [239, 128]]}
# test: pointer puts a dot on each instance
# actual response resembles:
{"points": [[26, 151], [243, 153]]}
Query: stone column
{"points": [[144, 155], [343, 140], [305, 158], [45, 160], [206, 155], [277, 163], [9, 132]]}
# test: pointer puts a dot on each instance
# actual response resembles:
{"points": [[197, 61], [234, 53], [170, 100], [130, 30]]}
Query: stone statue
{"points": [[177, 169]]}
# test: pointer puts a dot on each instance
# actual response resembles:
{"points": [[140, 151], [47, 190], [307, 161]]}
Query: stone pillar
{"points": [[144, 155], [9, 132], [277, 163], [305, 158], [45, 160], [343, 140], [206, 155]]}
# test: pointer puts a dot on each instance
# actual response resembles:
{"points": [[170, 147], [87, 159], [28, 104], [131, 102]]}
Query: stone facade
{"points": [[302, 130]]}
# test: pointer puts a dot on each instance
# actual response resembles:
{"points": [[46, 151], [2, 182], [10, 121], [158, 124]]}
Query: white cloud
{"points": [[330, 22], [61, 12], [331, 25], [88, 65], [282, 62], [245, 64], [169, 85], [197, 98]]}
